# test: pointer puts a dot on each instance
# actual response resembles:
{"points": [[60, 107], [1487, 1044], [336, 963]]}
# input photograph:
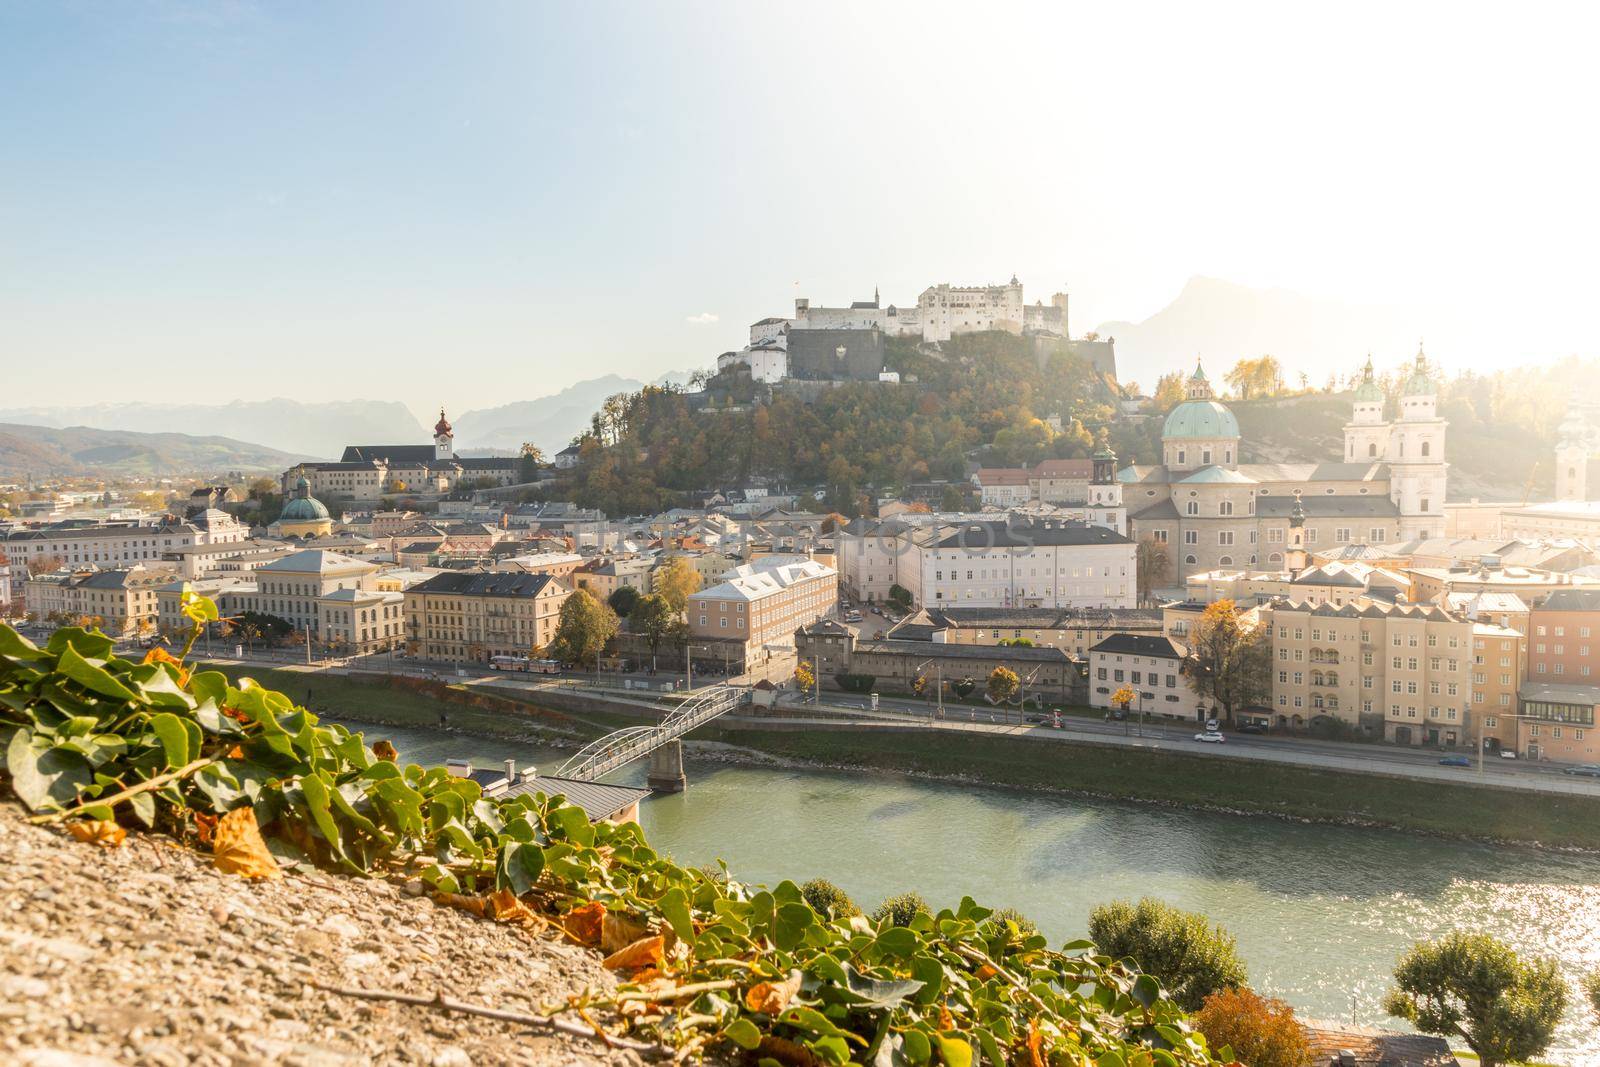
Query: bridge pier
{"points": [[666, 769]]}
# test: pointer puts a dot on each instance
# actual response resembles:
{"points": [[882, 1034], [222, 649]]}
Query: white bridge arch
{"points": [[621, 747]]}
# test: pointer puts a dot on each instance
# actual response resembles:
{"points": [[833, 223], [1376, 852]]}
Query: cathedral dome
{"points": [[1369, 391], [1200, 419], [1421, 381], [304, 507]]}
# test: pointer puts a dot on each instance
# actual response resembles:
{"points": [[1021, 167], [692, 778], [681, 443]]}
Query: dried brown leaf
{"points": [[237, 847], [585, 923], [618, 931], [97, 831], [476, 905], [772, 997], [385, 750], [503, 906], [645, 952]]}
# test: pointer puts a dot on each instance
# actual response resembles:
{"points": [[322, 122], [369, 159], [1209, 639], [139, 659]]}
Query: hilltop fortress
{"points": [[847, 343]]}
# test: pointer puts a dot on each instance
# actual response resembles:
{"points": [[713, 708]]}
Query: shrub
{"points": [[1025, 926], [1261, 1031], [1190, 957], [901, 909], [828, 899], [856, 683]]}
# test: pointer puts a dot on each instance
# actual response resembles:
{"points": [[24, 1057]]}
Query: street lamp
{"points": [[938, 666]]}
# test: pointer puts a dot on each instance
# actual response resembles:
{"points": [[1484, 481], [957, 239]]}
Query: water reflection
{"points": [[1321, 913]]}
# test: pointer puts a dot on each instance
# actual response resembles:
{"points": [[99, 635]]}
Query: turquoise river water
{"points": [[1320, 912]]}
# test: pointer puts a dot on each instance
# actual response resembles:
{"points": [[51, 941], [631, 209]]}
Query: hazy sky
{"points": [[478, 202]]}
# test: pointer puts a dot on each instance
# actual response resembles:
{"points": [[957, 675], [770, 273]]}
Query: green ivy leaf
{"points": [[14, 646], [48, 778], [86, 674], [674, 905], [954, 1050], [744, 1033], [916, 1046], [1146, 990], [174, 738]]}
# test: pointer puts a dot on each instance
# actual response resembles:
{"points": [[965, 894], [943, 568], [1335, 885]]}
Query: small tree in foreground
{"points": [[1261, 1031], [1190, 957], [585, 628], [1475, 988], [803, 678]]}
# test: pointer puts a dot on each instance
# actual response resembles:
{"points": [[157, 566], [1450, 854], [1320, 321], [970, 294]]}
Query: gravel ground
{"points": [[146, 954]]}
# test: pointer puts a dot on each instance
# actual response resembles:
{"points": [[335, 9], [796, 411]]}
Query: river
{"points": [[1320, 912]]}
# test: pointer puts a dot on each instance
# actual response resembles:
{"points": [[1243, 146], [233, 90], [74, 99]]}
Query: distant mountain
{"points": [[1223, 322], [47, 451], [320, 430], [549, 421]]}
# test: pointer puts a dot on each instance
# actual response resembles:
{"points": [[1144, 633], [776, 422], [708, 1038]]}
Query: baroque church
{"points": [[366, 473], [1213, 511]]}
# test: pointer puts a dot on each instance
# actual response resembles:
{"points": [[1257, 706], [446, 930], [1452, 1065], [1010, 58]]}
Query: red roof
{"points": [[1002, 476], [443, 425], [1064, 468]]}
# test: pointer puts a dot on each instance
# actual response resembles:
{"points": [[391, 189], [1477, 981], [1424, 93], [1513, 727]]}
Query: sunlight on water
{"points": [[1321, 913]]}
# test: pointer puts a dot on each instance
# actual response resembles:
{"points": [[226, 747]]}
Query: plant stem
{"points": [[547, 1022], [143, 787]]}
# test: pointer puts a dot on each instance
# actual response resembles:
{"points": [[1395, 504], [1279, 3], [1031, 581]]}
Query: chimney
{"points": [[511, 771], [460, 768]]}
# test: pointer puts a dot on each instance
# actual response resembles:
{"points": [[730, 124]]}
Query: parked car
{"points": [[1211, 726], [1506, 753], [1253, 728], [1456, 761], [1210, 737], [1583, 770]]}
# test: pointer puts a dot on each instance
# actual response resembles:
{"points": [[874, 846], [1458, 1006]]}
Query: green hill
{"points": [[46, 451]]}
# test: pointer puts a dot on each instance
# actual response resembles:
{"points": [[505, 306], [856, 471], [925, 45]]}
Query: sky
{"points": [[473, 203]]}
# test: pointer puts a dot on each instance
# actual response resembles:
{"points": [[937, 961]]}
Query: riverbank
{"points": [[1083, 769]]}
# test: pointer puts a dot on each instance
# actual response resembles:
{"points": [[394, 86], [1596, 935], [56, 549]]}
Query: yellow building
{"points": [[473, 616]]}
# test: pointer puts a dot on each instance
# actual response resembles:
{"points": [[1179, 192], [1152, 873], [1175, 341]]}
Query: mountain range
{"points": [[548, 421], [305, 429], [1222, 322], [40, 451]]}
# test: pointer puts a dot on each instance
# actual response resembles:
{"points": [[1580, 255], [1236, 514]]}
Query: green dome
{"points": [[304, 507], [1201, 419], [1421, 382], [1369, 391]]}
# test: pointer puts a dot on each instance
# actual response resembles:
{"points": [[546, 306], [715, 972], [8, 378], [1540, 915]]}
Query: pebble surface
{"points": [[146, 954]]}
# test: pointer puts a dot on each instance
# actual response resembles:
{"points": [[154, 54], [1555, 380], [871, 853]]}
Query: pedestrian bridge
{"points": [[621, 747]]}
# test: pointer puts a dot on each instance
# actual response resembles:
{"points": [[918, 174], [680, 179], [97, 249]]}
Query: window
{"points": [[1224, 537], [1191, 508], [1225, 508], [1191, 537]]}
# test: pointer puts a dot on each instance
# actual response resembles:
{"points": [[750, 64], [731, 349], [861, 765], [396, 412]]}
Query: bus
{"points": [[524, 664]]}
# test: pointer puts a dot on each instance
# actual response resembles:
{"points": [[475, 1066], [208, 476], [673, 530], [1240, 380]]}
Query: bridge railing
{"points": [[621, 747]]}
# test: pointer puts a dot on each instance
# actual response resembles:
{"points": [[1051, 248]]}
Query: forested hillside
{"points": [[985, 397], [644, 450]]}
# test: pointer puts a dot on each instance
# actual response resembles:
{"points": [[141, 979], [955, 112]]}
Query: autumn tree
{"points": [[1170, 392], [1261, 1031], [653, 619], [1229, 662], [1475, 988], [675, 581], [1190, 957], [528, 462], [1252, 379], [585, 628], [1153, 565], [1003, 684], [1123, 697], [803, 678], [623, 600]]}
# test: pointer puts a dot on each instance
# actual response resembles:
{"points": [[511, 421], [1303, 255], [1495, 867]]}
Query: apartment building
{"points": [[763, 603], [1152, 666], [1040, 564], [1564, 638], [1404, 668], [118, 602], [76, 543], [1558, 722], [471, 617], [602, 577], [1498, 656]]}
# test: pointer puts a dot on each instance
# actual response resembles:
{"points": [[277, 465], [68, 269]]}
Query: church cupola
{"points": [[1199, 386], [1295, 557]]}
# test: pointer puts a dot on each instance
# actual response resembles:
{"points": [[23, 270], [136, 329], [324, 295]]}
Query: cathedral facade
{"points": [[1212, 511]]}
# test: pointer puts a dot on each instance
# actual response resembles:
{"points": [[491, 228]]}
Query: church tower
{"points": [[1416, 456], [444, 439], [1366, 435], [1573, 448], [1105, 492], [1295, 556]]}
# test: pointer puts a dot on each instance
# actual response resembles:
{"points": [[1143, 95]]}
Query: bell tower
{"points": [[444, 439]]}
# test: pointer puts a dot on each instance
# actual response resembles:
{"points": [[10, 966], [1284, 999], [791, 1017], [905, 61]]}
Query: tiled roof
{"points": [[1159, 646], [485, 583]]}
